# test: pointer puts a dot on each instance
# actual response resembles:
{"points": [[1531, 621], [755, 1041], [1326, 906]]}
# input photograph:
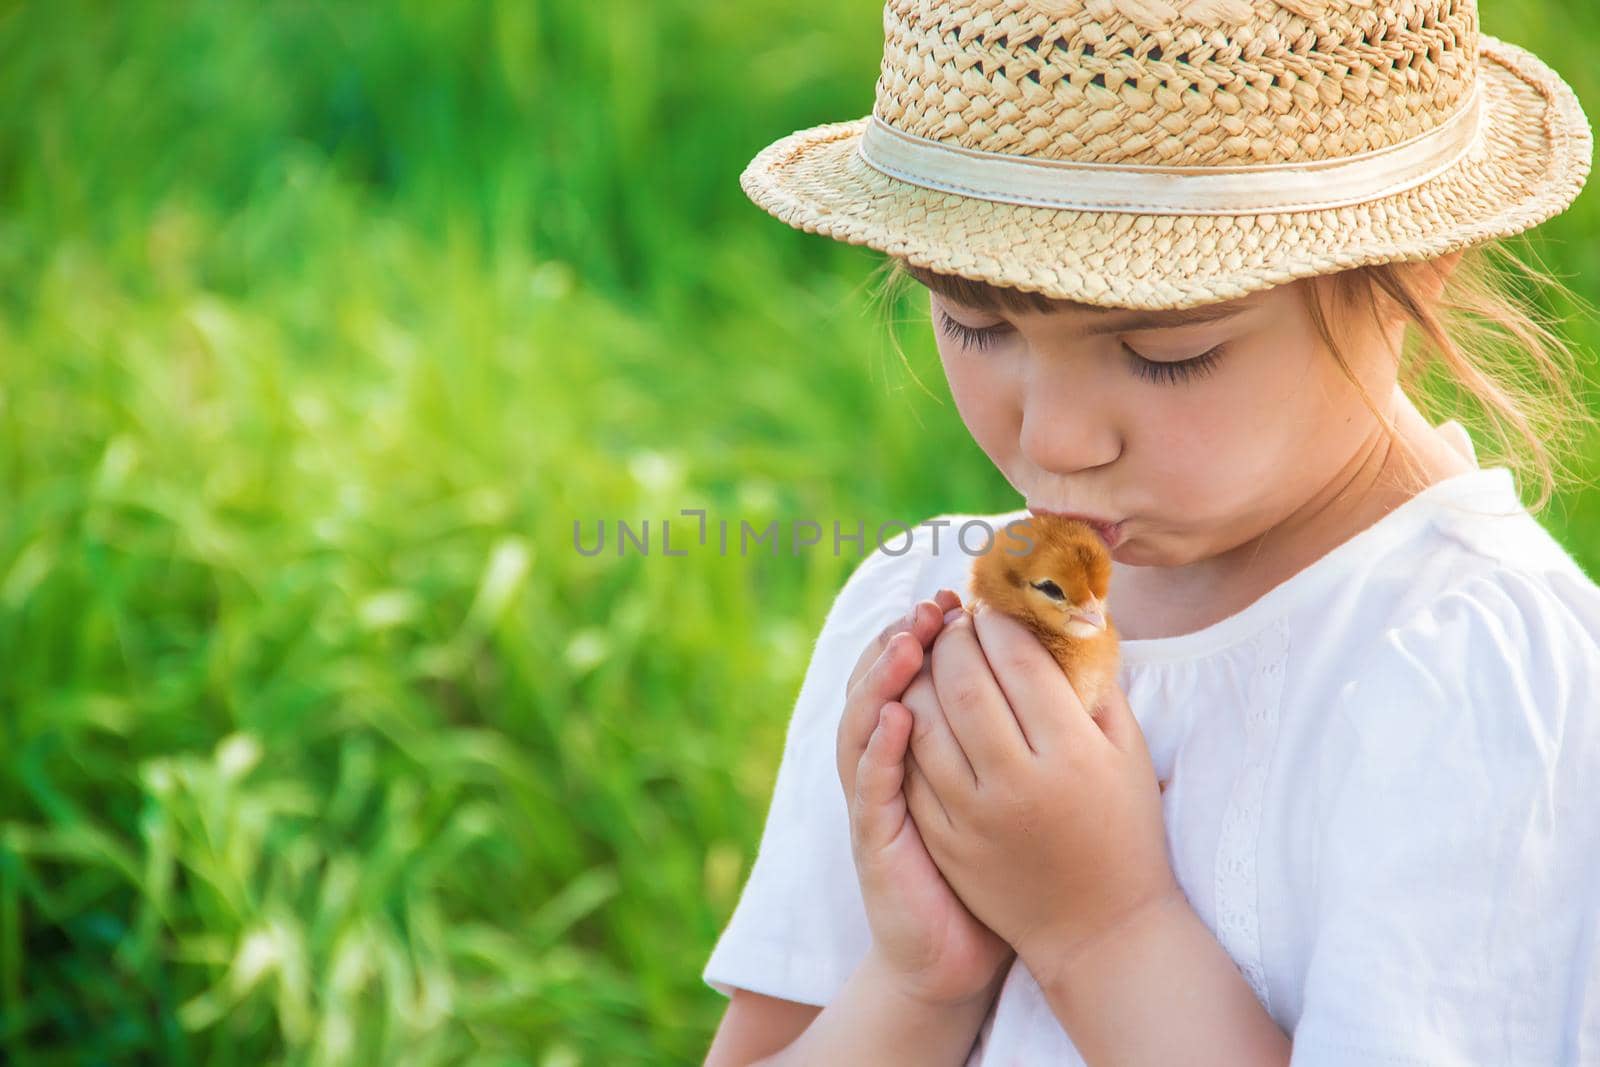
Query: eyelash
{"points": [[1148, 369]]}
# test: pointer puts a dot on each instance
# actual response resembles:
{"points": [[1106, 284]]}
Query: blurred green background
{"points": [[319, 326]]}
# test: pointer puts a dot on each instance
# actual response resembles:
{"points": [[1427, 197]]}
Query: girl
{"points": [[1335, 812]]}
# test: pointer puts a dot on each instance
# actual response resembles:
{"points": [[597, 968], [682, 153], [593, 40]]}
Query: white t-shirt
{"points": [[1384, 794]]}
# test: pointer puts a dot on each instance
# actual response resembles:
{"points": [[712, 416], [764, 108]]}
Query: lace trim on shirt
{"points": [[1237, 899]]}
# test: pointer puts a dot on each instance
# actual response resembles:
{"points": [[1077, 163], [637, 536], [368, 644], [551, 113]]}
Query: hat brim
{"points": [[1529, 161]]}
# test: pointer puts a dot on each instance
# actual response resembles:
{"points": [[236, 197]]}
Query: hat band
{"points": [[1118, 187]]}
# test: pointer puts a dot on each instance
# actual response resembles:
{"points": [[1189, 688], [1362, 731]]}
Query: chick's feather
{"points": [[1053, 575]]}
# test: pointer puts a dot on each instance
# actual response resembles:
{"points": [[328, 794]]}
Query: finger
{"points": [[947, 601], [886, 666], [923, 621], [1046, 707], [879, 809], [929, 615], [1118, 723], [927, 810], [874, 649], [974, 705], [894, 668], [937, 751]]}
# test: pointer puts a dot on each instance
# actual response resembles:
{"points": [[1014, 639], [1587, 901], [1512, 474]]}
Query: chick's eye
{"points": [[1049, 589]]}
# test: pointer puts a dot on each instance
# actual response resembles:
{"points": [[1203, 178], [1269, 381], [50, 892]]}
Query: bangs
{"points": [[981, 296]]}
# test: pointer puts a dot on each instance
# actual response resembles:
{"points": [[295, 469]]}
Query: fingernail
{"points": [[952, 615]]}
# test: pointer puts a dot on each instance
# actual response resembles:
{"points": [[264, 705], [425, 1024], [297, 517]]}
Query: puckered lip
{"points": [[1093, 520], [1110, 531]]}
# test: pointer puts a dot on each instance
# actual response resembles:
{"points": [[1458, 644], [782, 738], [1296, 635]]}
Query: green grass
{"points": [[319, 326]]}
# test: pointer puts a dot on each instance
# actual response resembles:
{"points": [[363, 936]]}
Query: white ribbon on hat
{"points": [[1232, 190]]}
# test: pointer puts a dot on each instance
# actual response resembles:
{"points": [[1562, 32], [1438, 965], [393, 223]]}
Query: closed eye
{"points": [[1049, 589], [1151, 370], [1182, 370], [970, 336]]}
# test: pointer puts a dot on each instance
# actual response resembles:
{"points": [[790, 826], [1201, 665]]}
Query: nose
{"points": [[1066, 419]]}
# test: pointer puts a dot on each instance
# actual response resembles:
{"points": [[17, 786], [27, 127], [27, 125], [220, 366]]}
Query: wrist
{"points": [[1156, 987], [1061, 957], [919, 996]]}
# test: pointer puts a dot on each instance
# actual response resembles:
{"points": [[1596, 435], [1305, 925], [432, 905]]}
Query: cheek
{"points": [[1197, 451], [983, 396], [1193, 427], [1211, 450]]}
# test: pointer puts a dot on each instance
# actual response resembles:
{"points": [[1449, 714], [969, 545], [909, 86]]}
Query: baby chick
{"points": [[1052, 575]]}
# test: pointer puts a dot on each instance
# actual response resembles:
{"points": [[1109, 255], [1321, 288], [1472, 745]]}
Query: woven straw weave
{"points": [[1211, 83]]}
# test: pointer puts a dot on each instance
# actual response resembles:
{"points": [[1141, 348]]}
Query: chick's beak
{"points": [[1092, 613]]}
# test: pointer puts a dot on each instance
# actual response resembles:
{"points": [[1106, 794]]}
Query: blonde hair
{"points": [[1482, 340]]}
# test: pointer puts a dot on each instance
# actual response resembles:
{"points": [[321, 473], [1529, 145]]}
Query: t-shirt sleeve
{"points": [[1458, 863], [799, 928]]}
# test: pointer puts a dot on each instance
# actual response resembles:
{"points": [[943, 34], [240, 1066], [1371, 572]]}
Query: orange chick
{"points": [[1052, 575]]}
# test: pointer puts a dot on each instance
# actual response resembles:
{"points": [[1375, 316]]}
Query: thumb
{"points": [[1117, 721], [879, 803]]}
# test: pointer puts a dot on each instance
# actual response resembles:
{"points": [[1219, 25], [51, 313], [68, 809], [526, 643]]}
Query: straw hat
{"points": [[1161, 153]]}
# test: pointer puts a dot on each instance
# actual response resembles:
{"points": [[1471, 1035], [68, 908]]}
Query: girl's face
{"points": [[1197, 430]]}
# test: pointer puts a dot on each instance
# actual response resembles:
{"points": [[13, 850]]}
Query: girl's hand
{"points": [[1045, 820], [922, 933]]}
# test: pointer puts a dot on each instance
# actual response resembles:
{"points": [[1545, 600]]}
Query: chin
{"points": [[1136, 554]]}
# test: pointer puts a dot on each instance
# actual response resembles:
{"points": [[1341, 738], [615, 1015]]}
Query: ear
{"points": [[1424, 278], [1444, 266]]}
